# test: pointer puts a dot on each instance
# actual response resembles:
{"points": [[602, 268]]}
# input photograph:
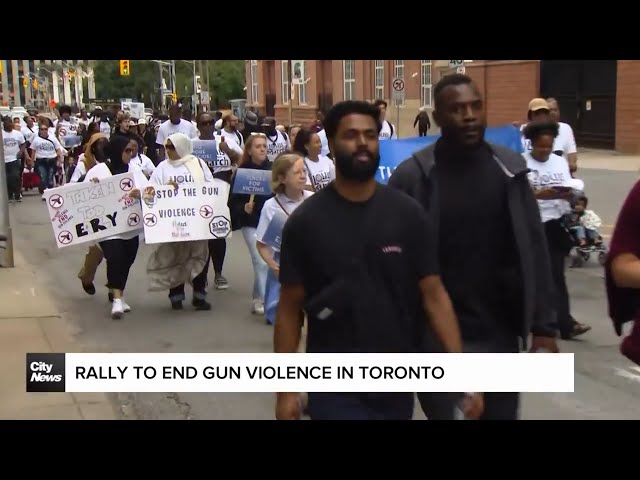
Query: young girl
{"points": [[288, 180], [245, 214]]}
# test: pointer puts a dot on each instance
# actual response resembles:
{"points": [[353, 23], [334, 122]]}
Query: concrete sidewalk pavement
{"points": [[594, 159], [31, 322]]}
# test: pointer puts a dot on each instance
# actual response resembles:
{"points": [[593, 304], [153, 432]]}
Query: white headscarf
{"points": [[184, 148]]}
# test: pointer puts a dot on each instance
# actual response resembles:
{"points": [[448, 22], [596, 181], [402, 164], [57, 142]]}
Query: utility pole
{"points": [[4, 203], [161, 71]]}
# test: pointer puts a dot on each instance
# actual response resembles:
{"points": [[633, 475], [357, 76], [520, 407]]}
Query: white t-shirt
{"points": [[235, 137], [565, 142], [386, 131], [325, 142], [105, 129], [12, 141], [101, 171], [67, 128], [79, 171], [552, 173], [29, 132], [277, 145], [271, 207], [45, 147], [168, 128], [181, 174], [144, 163], [320, 173]]}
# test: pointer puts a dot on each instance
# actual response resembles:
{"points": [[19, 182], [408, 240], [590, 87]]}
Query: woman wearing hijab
{"points": [[119, 250], [173, 264]]}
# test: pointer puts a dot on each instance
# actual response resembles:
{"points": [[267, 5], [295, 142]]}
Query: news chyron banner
{"points": [[295, 372]]}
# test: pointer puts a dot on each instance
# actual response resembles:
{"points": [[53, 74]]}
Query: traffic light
{"points": [[124, 68], [25, 83], [174, 97], [35, 84]]}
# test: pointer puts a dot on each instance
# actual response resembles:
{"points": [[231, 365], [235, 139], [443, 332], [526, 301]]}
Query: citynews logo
{"points": [[45, 372]]}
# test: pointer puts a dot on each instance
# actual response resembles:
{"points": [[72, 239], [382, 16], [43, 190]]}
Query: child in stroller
{"points": [[583, 225]]}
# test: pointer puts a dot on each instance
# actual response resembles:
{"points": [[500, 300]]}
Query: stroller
{"points": [[581, 253]]}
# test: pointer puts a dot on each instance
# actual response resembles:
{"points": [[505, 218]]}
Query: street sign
{"points": [[456, 63], [398, 90], [204, 97], [461, 70]]}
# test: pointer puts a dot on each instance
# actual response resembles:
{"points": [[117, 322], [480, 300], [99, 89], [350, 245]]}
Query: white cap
{"points": [[218, 124], [142, 121], [281, 128]]}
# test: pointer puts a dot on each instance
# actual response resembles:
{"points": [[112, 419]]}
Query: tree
{"points": [[226, 81], [142, 84]]}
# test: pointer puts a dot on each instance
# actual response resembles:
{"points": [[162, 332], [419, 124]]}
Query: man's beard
{"points": [[353, 169]]}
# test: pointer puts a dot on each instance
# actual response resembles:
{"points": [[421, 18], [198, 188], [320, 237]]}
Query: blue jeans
{"points": [[583, 233], [260, 268], [47, 172]]}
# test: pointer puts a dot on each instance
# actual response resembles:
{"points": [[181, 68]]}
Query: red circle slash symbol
{"points": [[133, 220], [56, 201], [398, 85], [65, 237], [150, 220], [206, 211], [126, 184]]}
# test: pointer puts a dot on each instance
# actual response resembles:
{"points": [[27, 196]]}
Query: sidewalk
{"points": [[607, 160], [30, 322]]}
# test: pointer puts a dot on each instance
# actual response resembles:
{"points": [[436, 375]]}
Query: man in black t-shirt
{"points": [[491, 244], [359, 259]]}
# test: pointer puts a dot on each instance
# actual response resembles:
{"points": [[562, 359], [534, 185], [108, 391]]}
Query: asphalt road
{"points": [[607, 386]]}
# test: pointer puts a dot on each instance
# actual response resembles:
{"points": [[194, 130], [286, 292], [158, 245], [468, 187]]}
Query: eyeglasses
{"points": [[208, 122]]}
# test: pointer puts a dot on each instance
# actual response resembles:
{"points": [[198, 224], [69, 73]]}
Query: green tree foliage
{"points": [[226, 80]]}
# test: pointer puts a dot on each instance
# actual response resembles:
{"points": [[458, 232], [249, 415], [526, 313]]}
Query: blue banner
{"points": [[70, 141], [252, 182], [273, 235], [207, 151], [394, 152]]}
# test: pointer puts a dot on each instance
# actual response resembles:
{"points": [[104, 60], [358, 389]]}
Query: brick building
{"points": [[598, 98]]}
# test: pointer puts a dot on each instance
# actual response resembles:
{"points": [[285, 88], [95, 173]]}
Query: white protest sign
{"points": [[88, 212], [134, 109], [186, 213]]}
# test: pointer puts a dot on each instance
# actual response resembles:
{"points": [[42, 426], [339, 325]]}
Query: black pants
{"points": [[120, 255], [497, 405], [422, 132], [176, 294], [360, 406], [559, 245], [217, 251], [14, 172]]}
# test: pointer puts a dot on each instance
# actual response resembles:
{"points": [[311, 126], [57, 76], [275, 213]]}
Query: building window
{"points": [[254, 81], [379, 80], [349, 78], [426, 96], [302, 89], [398, 72], [285, 81]]}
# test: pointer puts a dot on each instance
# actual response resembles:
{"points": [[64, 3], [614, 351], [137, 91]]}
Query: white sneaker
{"points": [[125, 306], [117, 309], [257, 307]]}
